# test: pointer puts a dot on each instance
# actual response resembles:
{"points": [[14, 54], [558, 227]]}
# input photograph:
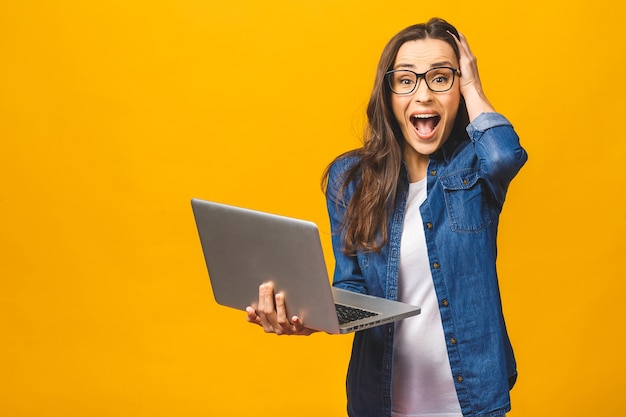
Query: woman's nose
{"points": [[422, 92]]}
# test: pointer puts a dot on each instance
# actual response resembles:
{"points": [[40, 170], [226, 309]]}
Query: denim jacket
{"points": [[467, 180]]}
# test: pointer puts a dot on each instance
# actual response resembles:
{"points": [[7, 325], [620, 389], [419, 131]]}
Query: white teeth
{"points": [[423, 116]]}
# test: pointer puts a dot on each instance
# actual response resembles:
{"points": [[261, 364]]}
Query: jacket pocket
{"points": [[466, 201]]}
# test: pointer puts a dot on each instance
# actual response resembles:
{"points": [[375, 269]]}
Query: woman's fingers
{"points": [[271, 314], [469, 81], [272, 311], [467, 60], [251, 316], [299, 327], [266, 309], [282, 325]]}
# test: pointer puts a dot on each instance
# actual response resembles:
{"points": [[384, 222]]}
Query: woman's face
{"points": [[425, 117]]}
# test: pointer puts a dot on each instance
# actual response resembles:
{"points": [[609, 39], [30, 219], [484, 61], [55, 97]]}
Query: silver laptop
{"points": [[244, 248]]}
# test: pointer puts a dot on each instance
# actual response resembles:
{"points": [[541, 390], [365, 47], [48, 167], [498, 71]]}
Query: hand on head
{"points": [[271, 314], [470, 85]]}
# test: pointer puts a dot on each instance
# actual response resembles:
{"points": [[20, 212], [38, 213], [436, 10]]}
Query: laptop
{"points": [[244, 248]]}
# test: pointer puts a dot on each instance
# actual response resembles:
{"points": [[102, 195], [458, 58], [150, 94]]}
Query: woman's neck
{"points": [[416, 165]]}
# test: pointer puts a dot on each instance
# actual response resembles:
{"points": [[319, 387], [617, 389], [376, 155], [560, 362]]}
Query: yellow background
{"points": [[113, 114]]}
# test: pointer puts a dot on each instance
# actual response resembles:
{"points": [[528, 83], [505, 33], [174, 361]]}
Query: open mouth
{"points": [[425, 124]]}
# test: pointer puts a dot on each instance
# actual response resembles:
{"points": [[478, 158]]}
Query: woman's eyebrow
{"points": [[433, 65], [441, 64]]}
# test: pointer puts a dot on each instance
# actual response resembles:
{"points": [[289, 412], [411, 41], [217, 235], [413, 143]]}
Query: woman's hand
{"points": [[469, 80], [271, 314]]}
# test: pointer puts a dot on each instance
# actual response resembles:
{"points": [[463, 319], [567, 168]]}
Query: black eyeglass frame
{"points": [[422, 75]]}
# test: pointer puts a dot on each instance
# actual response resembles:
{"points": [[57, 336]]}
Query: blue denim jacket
{"points": [[467, 180]]}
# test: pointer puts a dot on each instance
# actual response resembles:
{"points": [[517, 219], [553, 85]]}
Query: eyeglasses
{"points": [[438, 79]]}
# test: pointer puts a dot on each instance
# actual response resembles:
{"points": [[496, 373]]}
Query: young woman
{"points": [[414, 215]]}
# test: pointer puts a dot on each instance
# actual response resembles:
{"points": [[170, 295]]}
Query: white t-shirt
{"points": [[422, 383]]}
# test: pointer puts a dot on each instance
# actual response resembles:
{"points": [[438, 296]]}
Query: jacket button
{"points": [[445, 303], [436, 265], [433, 172], [453, 341], [429, 226], [459, 378], [464, 181]]}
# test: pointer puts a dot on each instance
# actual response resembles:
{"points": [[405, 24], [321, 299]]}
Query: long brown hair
{"points": [[364, 225]]}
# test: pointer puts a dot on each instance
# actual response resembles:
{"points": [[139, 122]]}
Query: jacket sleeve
{"points": [[347, 275], [499, 151]]}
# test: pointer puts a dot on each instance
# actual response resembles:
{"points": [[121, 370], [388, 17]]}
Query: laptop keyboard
{"points": [[346, 314]]}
